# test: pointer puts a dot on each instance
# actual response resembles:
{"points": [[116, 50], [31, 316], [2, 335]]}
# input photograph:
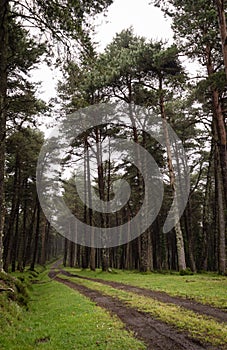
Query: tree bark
{"points": [[221, 225], [22, 240], [10, 233], [44, 233], [206, 220], [190, 238], [37, 233], [3, 102], [29, 235], [101, 187], [220, 212], [90, 212], [223, 30], [65, 252], [178, 230], [219, 123], [72, 254]]}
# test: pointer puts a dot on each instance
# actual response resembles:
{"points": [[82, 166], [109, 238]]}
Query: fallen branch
{"points": [[7, 290]]}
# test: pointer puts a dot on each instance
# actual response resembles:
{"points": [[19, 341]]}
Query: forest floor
{"points": [[160, 320]]}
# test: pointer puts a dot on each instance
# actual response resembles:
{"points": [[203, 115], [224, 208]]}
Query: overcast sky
{"points": [[146, 20]]}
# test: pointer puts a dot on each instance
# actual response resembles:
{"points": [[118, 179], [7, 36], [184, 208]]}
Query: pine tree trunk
{"points": [[3, 94], [101, 187], [219, 123], [222, 139], [146, 261], [22, 239], [150, 265], [65, 252], [105, 259], [221, 224], [178, 230], [128, 245], [27, 254], [223, 30], [15, 243], [189, 233], [11, 235], [144, 252], [72, 254], [206, 221], [85, 257], [220, 217], [36, 241], [43, 241], [90, 211], [143, 239]]}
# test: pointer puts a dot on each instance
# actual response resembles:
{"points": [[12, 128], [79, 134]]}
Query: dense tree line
{"points": [[62, 24], [136, 71], [150, 74]]}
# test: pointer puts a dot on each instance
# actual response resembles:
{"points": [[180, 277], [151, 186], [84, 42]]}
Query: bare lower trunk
{"points": [[72, 255], [65, 252], [222, 139], [28, 245], [219, 120], [180, 247], [36, 241], [221, 226], [178, 230], [144, 252], [44, 233], [90, 212], [206, 223], [10, 232], [3, 93], [220, 212], [22, 240]]}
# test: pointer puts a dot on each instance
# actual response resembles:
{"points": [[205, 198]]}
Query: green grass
{"points": [[199, 326], [206, 288], [10, 312], [60, 318]]}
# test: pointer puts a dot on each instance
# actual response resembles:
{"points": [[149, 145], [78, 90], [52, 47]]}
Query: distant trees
{"points": [[131, 70]]}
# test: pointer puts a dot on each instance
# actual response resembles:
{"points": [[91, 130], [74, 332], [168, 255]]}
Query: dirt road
{"points": [[218, 314], [155, 334]]}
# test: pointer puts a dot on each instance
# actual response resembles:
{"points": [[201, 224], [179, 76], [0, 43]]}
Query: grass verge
{"points": [[61, 319]]}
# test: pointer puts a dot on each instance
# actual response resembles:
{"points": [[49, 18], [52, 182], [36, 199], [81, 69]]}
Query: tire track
{"points": [[218, 314], [156, 334]]}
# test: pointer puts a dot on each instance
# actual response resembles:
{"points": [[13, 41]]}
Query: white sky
{"points": [[146, 20]]}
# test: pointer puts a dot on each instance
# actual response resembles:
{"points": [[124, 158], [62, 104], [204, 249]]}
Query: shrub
{"points": [[186, 272]]}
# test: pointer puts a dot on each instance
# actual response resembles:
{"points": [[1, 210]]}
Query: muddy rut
{"points": [[154, 333], [219, 314]]}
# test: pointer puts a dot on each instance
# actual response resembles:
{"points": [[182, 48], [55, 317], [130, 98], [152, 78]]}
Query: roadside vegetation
{"points": [[56, 317]]}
